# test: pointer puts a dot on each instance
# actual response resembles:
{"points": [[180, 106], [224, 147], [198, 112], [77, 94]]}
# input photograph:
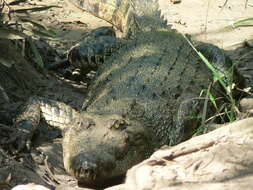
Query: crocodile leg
{"points": [[93, 50], [126, 15], [188, 118], [190, 111], [55, 113]]}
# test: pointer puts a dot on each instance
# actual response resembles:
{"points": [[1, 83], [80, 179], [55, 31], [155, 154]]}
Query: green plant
{"points": [[226, 1], [227, 109], [18, 25], [244, 22]]}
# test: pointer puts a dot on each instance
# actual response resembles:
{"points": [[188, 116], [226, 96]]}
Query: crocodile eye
{"points": [[83, 123], [122, 123], [117, 124]]}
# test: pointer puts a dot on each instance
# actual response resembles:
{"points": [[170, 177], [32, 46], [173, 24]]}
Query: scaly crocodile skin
{"points": [[113, 11], [144, 96]]}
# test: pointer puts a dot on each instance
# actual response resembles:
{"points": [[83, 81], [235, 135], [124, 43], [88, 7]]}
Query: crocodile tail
{"points": [[146, 16], [113, 11], [128, 16]]}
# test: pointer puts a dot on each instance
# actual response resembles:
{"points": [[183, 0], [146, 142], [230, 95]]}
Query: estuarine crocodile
{"points": [[145, 95]]}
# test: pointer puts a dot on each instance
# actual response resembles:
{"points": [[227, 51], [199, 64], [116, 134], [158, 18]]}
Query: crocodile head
{"points": [[98, 149]]}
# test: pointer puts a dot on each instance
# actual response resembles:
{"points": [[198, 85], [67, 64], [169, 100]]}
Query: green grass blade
{"points": [[230, 115], [39, 29], [242, 22], [38, 58], [212, 99], [217, 75], [34, 9], [6, 62], [11, 34]]}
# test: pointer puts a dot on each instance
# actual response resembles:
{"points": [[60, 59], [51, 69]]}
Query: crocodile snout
{"points": [[99, 155], [88, 169], [91, 170]]}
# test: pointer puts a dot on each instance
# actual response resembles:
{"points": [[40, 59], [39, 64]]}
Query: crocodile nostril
{"points": [[88, 168]]}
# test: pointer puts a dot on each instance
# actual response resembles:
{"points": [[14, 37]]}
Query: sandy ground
{"points": [[207, 20]]}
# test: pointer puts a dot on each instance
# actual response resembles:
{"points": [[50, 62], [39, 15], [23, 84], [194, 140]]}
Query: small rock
{"points": [[175, 1], [5, 176], [30, 186]]}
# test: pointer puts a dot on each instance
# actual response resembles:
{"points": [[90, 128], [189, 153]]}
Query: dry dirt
{"points": [[205, 20]]}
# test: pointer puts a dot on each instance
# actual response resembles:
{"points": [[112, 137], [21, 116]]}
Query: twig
{"points": [[50, 177], [5, 96], [205, 106]]}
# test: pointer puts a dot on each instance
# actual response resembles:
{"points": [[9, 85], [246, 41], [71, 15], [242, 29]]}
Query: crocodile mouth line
{"points": [[101, 184]]}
